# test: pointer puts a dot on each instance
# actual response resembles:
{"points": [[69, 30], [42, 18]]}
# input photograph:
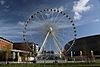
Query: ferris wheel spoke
{"points": [[37, 18], [48, 19], [56, 39], [56, 45], [60, 19], [43, 17], [52, 14], [61, 37], [70, 46], [56, 17]]}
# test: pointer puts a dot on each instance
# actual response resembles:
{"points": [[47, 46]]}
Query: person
{"points": [[55, 61]]}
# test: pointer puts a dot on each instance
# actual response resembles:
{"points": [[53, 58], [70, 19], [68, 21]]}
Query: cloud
{"points": [[61, 8], [2, 2], [21, 23], [7, 6], [10, 30], [2, 21], [96, 20], [80, 7]]}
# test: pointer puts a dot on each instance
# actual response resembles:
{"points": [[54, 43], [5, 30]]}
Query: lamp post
{"points": [[81, 55], [92, 55]]}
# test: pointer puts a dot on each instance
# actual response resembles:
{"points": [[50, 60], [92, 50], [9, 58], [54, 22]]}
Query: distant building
{"points": [[22, 46], [21, 52], [86, 48], [35, 47], [24, 51]]}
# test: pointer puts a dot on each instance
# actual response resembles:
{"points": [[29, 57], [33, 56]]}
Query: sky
{"points": [[14, 13]]}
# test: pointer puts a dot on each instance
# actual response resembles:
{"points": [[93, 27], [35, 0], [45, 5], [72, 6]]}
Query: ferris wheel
{"points": [[50, 28]]}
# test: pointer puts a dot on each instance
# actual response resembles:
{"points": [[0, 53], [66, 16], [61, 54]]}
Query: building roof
{"points": [[86, 44], [14, 50], [22, 46], [6, 40]]}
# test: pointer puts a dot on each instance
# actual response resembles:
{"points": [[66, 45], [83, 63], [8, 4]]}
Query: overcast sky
{"points": [[13, 14]]}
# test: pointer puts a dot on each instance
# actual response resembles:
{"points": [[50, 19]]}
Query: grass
{"points": [[53, 65]]}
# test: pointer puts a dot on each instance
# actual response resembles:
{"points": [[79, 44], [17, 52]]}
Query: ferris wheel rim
{"points": [[54, 10]]}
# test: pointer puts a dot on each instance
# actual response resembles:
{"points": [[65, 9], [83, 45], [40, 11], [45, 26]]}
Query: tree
{"points": [[7, 51]]}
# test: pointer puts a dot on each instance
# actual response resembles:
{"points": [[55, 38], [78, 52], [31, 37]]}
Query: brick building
{"points": [[5, 49]]}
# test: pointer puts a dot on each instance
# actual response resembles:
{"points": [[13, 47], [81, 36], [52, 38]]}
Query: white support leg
{"points": [[14, 56], [43, 43], [55, 40], [71, 54], [57, 44]]}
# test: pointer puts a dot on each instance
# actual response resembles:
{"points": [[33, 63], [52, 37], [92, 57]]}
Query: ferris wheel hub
{"points": [[50, 28]]}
